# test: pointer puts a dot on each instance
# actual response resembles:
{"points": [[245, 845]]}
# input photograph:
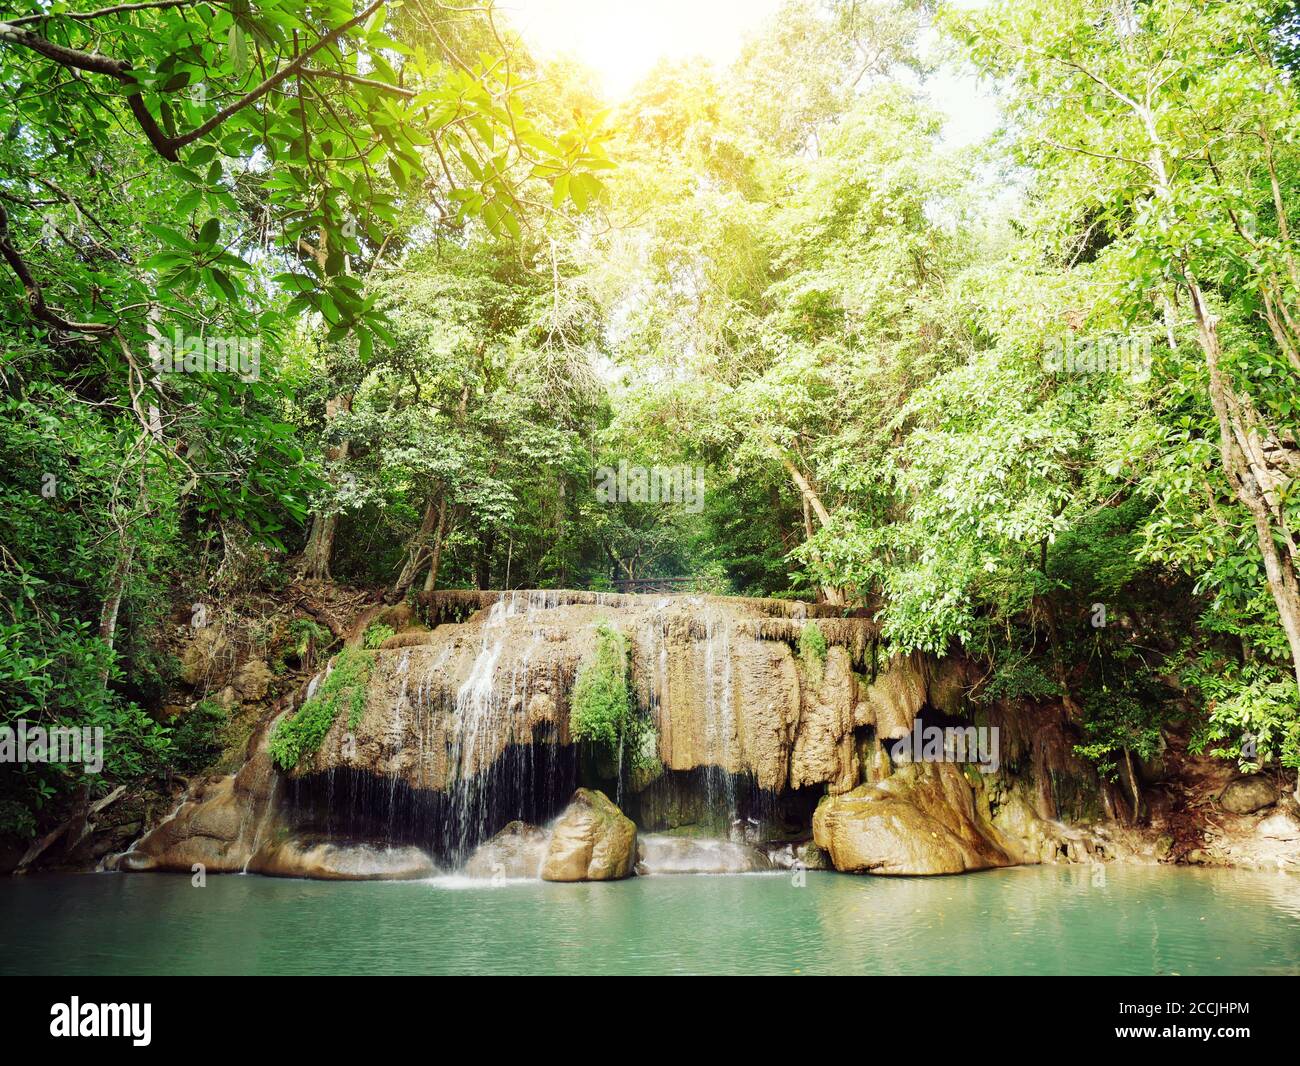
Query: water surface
{"points": [[1033, 920]]}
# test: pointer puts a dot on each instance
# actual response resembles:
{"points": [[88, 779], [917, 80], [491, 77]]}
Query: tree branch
{"points": [[275, 79], [103, 12], [120, 70], [35, 297], [354, 79]]}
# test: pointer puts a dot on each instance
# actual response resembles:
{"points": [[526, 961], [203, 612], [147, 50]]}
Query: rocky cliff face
{"points": [[464, 727]]}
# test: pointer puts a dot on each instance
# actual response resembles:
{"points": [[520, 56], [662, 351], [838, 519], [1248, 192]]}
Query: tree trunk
{"points": [[1254, 480], [416, 550], [812, 501], [431, 579], [806, 490], [316, 555], [113, 601], [320, 548], [1135, 791], [112, 607]]}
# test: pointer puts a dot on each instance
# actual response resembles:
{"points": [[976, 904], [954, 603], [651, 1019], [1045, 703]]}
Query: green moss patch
{"points": [[345, 686], [601, 709]]}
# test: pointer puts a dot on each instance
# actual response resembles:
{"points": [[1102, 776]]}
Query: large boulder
{"points": [[518, 851], [660, 853], [208, 829], [221, 822], [253, 680], [921, 820], [207, 656], [592, 841], [1246, 795], [325, 861]]}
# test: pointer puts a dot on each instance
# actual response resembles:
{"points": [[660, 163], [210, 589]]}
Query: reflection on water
{"points": [[1037, 920]]}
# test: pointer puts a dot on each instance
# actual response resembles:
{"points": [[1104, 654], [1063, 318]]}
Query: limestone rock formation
{"points": [[659, 853], [1280, 825], [325, 860], [1248, 794], [206, 830], [592, 841], [922, 820], [220, 824], [719, 674], [518, 851], [465, 726], [890, 703], [823, 749], [253, 680]]}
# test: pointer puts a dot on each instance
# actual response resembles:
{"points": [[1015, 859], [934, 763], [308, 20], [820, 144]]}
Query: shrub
{"points": [[306, 730], [307, 636], [16, 820], [376, 634], [199, 736], [601, 708], [812, 650]]}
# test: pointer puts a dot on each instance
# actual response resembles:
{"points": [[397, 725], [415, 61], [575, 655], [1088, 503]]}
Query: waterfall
{"points": [[466, 731], [493, 765], [721, 727], [473, 716], [268, 816], [651, 649], [426, 705], [404, 672]]}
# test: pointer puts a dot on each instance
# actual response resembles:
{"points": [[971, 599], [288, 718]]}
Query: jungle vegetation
{"points": [[366, 293]]}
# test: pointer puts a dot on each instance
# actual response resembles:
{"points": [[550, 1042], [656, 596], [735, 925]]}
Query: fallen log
{"points": [[83, 816]]}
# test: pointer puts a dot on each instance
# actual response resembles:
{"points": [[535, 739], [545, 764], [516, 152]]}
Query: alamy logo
{"points": [[1100, 355], [198, 354], [57, 744], [930, 743], [102, 1019], [652, 484]]}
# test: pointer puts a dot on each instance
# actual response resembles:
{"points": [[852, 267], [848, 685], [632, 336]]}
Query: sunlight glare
{"points": [[622, 41]]}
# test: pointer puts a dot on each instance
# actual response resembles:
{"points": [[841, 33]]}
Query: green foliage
{"points": [[1251, 711], [602, 711], [305, 631], [1016, 676], [198, 736], [812, 650], [306, 637], [600, 702], [1116, 721], [327, 164], [376, 634], [16, 820], [58, 466], [344, 687], [1098, 557], [1160, 140]]}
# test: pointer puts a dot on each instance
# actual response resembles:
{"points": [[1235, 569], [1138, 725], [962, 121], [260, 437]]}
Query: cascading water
{"points": [[404, 672], [268, 817], [721, 726], [495, 771], [476, 708]]}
